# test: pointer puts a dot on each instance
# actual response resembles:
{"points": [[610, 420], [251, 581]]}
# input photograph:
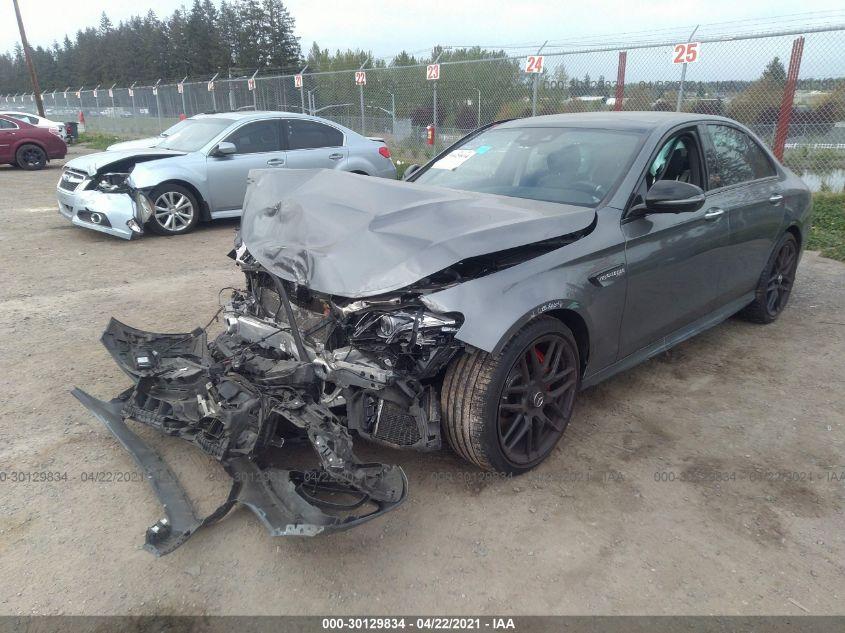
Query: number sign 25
{"points": [[686, 53]]}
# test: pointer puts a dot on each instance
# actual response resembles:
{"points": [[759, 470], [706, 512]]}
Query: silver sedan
{"points": [[199, 171]]}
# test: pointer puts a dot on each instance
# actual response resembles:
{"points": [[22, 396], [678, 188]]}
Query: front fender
{"points": [[494, 307], [186, 169]]}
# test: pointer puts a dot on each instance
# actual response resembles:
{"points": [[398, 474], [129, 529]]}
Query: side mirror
{"points": [[673, 196], [410, 171], [224, 149]]}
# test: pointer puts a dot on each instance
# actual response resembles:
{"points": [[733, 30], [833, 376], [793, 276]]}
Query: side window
{"points": [[7, 125], [257, 137], [24, 118], [310, 134], [735, 158], [678, 159]]}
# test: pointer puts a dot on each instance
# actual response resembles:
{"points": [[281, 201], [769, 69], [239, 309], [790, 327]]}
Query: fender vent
{"points": [[395, 425]]}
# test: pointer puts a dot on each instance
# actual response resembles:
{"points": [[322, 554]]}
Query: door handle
{"points": [[335, 156], [775, 198], [276, 162], [714, 214]]}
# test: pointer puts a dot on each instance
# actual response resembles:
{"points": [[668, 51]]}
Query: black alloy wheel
{"points": [[537, 399]]}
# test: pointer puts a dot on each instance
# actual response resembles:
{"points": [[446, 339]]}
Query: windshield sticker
{"points": [[483, 149], [454, 159]]}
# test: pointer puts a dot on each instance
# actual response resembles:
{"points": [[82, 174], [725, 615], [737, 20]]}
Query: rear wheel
{"points": [[775, 284], [175, 210], [507, 413], [31, 157]]}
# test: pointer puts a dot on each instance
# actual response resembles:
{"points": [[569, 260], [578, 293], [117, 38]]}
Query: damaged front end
{"points": [[290, 368]]}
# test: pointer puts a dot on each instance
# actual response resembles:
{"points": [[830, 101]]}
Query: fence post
{"points": [[158, 104], [184, 108], [619, 95], [302, 87], [534, 82], [434, 102], [785, 113], [361, 96], [478, 117], [254, 89], [684, 76]]}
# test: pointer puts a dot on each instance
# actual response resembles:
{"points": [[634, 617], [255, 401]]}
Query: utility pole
{"points": [[32, 75]]}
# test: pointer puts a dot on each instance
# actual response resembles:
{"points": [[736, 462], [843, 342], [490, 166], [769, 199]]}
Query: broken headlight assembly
{"points": [[113, 182], [400, 324]]}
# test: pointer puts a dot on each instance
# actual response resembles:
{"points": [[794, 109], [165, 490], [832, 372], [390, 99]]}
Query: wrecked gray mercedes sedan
{"points": [[467, 307]]}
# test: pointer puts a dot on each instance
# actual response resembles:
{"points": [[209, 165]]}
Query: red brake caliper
{"points": [[542, 358]]}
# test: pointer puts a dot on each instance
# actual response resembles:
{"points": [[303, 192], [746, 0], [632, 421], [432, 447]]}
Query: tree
{"points": [[759, 103], [281, 46]]}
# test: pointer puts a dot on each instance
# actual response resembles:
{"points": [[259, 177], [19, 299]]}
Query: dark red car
{"points": [[27, 146]]}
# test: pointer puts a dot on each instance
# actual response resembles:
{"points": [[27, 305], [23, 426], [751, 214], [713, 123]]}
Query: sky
{"points": [[387, 27]]}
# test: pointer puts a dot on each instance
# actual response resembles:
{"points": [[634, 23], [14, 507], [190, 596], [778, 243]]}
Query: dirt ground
{"points": [[709, 480]]}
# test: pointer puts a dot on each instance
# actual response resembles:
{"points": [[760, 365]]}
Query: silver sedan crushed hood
{"points": [[349, 235], [92, 163]]}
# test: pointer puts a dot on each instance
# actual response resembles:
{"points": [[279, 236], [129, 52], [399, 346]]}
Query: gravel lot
{"points": [[672, 493]]}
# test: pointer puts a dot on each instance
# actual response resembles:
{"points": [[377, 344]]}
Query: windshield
{"points": [[175, 128], [555, 164], [194, 134]]}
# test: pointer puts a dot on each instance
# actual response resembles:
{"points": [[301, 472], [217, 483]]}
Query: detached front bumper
{"points": [[183, 389], [110, 213]]}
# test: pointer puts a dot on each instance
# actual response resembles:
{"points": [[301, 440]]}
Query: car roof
{"points": [[255, 114], [633, 121], [11, 112]]}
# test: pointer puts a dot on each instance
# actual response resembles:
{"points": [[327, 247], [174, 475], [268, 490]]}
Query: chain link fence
{"points": [[788, 86]]}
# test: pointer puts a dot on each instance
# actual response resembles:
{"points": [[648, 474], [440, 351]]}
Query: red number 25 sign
{"points": [[686, 53]]}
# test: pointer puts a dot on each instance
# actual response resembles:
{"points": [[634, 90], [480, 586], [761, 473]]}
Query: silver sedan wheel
{"points": [[174, 211]]}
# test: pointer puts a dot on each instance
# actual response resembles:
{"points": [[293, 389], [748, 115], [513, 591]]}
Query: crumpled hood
{"points": [[354, 236], [138, 143], [92, 163]]}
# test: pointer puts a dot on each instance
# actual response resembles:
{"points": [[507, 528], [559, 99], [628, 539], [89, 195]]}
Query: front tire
{"points": [[31, 157], [507, 413], [175, 210], [775, 284]]}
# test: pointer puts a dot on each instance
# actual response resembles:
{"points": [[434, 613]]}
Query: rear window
{"points": [[735, 158], [554, 164], [303, 134]]}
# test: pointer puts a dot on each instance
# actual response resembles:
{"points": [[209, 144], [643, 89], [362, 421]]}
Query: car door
{"points": [[311, 144], [673, 260], [258, 145], [8, 132], [743, 181]]}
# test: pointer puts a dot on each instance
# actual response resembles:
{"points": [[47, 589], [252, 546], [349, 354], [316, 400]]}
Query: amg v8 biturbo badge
{"points": [[607, 277]]}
